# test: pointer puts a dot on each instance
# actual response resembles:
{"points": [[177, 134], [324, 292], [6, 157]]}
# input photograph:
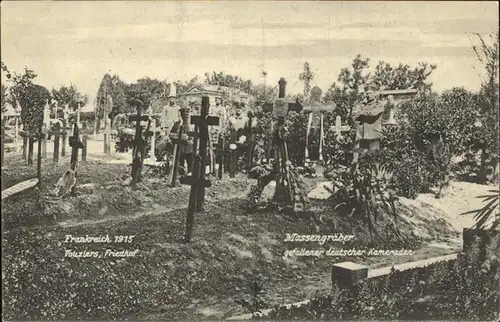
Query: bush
{"points": [[125, 141]]}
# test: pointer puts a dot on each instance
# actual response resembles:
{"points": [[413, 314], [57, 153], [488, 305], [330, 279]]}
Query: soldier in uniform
{"points": [[186, 149]]}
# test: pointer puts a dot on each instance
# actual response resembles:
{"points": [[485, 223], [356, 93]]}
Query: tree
{"points": [[306, 76], [489, 102], [31, 98], [142, 93], [352, 81], [117, 92], [223, 79], [69, 96], [387, 77], [111, 96]]}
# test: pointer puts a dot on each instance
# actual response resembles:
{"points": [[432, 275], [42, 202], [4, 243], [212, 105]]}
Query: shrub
{"points": [[125, 141]]}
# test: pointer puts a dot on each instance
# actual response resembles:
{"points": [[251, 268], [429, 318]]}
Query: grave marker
{"points": [[345, 274], [138, 151], [339, 128], [152, 149], [178, 142], [75, 144], [223, 151], [84, 148], [28, 142], [57, 133], [197, 180], [64, 130], [233, 157], [146, 134]]}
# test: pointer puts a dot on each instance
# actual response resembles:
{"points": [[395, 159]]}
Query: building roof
{"points": [[213, 89], [396, 92]]}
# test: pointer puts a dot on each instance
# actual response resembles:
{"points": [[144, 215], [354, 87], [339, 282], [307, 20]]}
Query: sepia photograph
{"points": [[250, 160]]}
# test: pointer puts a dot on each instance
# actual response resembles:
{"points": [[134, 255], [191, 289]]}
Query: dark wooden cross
{"points": [[84, 141], [75, 144], [41, 136], [139, 145], [65, 130], [44, 132], [197, 180], [178, 143], [57, 132], [233, 157], [147, 134], [28, 144]]}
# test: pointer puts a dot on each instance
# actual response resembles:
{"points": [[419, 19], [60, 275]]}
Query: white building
{"points": [[216, 93]]}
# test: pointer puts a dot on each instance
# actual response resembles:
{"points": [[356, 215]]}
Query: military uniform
{"points": [[186, 149]]}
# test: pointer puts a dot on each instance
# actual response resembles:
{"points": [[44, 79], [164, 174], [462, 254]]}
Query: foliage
{"points": [[489, 213], [111, 98], [431, 131], [306, 76], [351, 82], [366, 193], [125, 141], [295, 137], [69, 96], [31, 97], [387, 77], [489, 102], [142, 93], [256, 302], [223, 79]]}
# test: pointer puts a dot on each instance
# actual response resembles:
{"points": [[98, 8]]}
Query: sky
{"points": [[78, 42]]}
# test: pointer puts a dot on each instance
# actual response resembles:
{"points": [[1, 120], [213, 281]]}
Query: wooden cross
{"points": [[222, 151], [178, 141], [65, 130], [197, 181], [57, 132], [154, 127], [44, 132], [280, 110], [41, 136], [146, 134], [138, 151], [28, 141], [339, 128], [108, 135], [75, 144], [45, 125], [233, 157]]}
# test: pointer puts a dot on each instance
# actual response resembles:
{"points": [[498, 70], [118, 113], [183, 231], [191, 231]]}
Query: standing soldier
{"points": [[185, 149]]}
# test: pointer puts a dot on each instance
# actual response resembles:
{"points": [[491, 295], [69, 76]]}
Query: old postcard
{"points": [[243, 160]]}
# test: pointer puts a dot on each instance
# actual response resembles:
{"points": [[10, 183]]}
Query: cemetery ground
{"points": [[173, 280]]}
